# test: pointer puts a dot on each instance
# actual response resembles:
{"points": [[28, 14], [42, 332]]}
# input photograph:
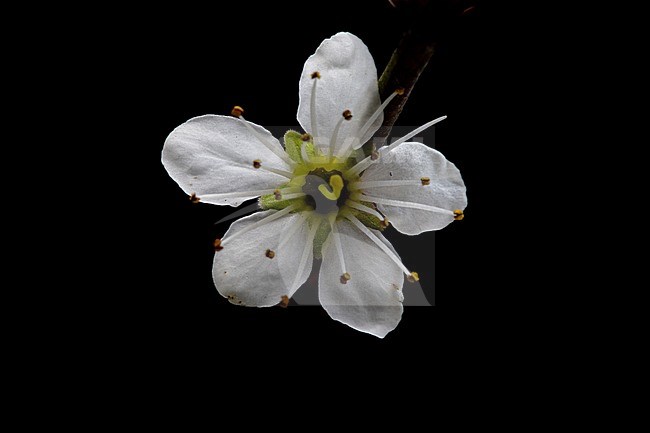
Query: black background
{"points": [[200, 61]]}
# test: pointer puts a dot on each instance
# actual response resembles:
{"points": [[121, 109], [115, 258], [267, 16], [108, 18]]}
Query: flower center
{"points": [[326, 190]]}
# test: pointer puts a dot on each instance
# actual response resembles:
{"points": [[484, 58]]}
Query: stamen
{"points": [[345, 278], [384, 183], [284, 301], [270, 253], [236, 194], [305, 137], [339, 249], [303, 151], [194, 199], [282, 173], [364, 208], [399, 203], [367, 162], [415, 131], [413, 277], [312, 107], [269, 145], [425, 181], [458, 215], [236, 111], [239, 194], [309, 245], [217, 245], [259, 223], [374, 116], [379, 243], [257, 163], [347, 115]]}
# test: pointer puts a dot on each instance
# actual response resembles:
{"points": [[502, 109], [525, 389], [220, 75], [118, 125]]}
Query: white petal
{"points": [[215, 154], [371, 300], [348, 82], [412, 161], [242, 271]]}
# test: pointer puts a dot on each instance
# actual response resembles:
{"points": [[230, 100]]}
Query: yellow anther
{"points": [[413, 277], [237, 111], [336, 182], [284, 301], [277, 194], [458, 215], [305, 137], [399, 91]]}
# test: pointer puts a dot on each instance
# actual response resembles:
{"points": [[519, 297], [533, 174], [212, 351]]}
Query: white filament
{"points": [[269, 145], [259, 223], [309, 245], [405, 204], [312, 112], [337, 245], [368, 161], [384, 183], [379, 243], [364, 208]]}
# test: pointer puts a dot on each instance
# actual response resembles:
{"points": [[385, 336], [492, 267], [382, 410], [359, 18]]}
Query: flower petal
{"points": [[371, 301], [413, 161], [215, 155], [348, 81], [260, 266]]}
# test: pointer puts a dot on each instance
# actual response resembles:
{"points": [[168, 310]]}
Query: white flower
{"points": [[317, 198]]}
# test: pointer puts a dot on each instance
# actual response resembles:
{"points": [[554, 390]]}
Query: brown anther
{"points": [[425, 180], [399, 91], [374, 156], [305, 137], [257, 163], [413, 277], [217, 245], [345, 278], [270, 254], [458, 215], [194, 198], [277, 194], [315, 75], [284, 301], [347, 114], [236, 111]]}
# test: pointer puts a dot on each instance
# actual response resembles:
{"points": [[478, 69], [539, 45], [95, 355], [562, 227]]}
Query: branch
{"points": [[430, 20]]}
